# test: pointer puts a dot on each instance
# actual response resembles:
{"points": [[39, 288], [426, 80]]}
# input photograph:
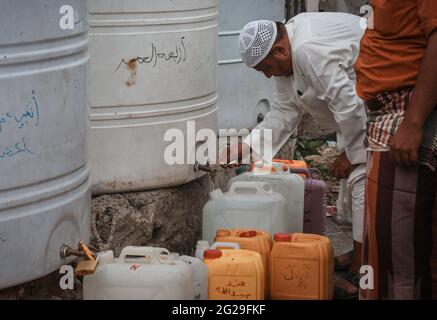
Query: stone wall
{"points": [[350, 6]]}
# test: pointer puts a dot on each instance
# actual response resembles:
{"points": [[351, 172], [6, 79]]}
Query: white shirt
{"points": [[324, 48]]}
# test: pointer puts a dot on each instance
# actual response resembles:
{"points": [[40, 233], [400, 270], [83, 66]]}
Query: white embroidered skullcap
{"points": [[256, 41]]}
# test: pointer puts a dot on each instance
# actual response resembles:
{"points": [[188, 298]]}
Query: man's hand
{"points": [[234, 154], [342, 167], [404, 147], [406, 142]]}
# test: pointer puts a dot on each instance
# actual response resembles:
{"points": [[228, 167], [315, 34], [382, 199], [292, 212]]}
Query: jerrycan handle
{"points": [[231, 245], [259, 187], [145, 254], [308, 172]]}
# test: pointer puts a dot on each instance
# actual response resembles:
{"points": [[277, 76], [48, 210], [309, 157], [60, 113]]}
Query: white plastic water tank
{"points": [[140, 273], [153, 68], [243, 92], [247, 205], [44, 187]]}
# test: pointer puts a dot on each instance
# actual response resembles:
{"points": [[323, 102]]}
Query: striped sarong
{"points": [[400, 228]]}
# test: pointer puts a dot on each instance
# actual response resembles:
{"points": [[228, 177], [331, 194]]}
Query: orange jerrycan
{"points": [[234, 274], [293, 164], [301, 267], [248, 239], [279, 165]]}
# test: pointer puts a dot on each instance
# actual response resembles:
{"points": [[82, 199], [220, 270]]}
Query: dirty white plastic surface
{"points": [[44, 186], [246, 205], [291, 186], [199, 273], [153, 67], [140, 273], [201, 247], [243, 92]]}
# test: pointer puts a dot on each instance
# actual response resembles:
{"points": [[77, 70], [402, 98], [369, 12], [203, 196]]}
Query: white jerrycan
{"points": [[199, 273], [290, 185], [201, 246], [248, 204], [140, 273]]}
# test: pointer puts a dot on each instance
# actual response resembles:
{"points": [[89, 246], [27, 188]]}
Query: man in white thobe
{"points": [[311, 59]]}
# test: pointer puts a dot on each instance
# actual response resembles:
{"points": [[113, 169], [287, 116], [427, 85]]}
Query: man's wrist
{"points": [[414, 121]]}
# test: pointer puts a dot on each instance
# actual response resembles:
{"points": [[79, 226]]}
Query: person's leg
{"points": [[425, 218], [357, 188], [398, 237]]}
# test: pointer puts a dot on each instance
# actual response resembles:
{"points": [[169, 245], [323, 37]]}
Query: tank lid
{"points": [[203, 243], [283, 237], [212, 254], [248, 234]]}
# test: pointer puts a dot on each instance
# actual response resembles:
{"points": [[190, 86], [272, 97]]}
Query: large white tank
{"points": [[44, 188], [153, 68], [244, 94]]}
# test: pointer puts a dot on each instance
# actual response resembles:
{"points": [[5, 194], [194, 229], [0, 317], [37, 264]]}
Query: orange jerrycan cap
{"points": [[247, 234], [282, 237], [212, 254]]}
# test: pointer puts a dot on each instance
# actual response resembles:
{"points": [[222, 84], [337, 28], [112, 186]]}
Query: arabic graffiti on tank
{"points": [[177, 55], [14, 123]]}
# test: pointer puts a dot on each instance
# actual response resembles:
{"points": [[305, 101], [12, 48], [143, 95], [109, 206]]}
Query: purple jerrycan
{"points": [[316, 196]]}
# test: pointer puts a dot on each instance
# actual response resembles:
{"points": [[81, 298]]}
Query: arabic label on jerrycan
{"points": [[140, 273], [234, 274], [248, 204], [199, 273], [301, 267], [249, 239], [291, 186]]}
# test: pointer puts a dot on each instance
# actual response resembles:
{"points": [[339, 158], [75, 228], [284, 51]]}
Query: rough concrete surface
{"points": [[169, 218]]}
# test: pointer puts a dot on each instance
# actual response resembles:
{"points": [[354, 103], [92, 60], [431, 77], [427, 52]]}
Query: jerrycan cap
{"points": [[215, 194], [282, 237], [212, 254], [247, 234]]}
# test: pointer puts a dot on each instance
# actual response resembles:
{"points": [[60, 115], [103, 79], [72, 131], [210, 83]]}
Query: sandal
{"points": [[339, 267], [341, 294]]}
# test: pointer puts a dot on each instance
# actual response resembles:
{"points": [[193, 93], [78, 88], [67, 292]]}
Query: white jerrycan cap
{"points": [[215, 194], [202, 244]]}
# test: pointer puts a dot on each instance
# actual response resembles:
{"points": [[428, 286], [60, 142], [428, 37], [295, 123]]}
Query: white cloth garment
{"points": [[324, 47], [350, 203]]}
